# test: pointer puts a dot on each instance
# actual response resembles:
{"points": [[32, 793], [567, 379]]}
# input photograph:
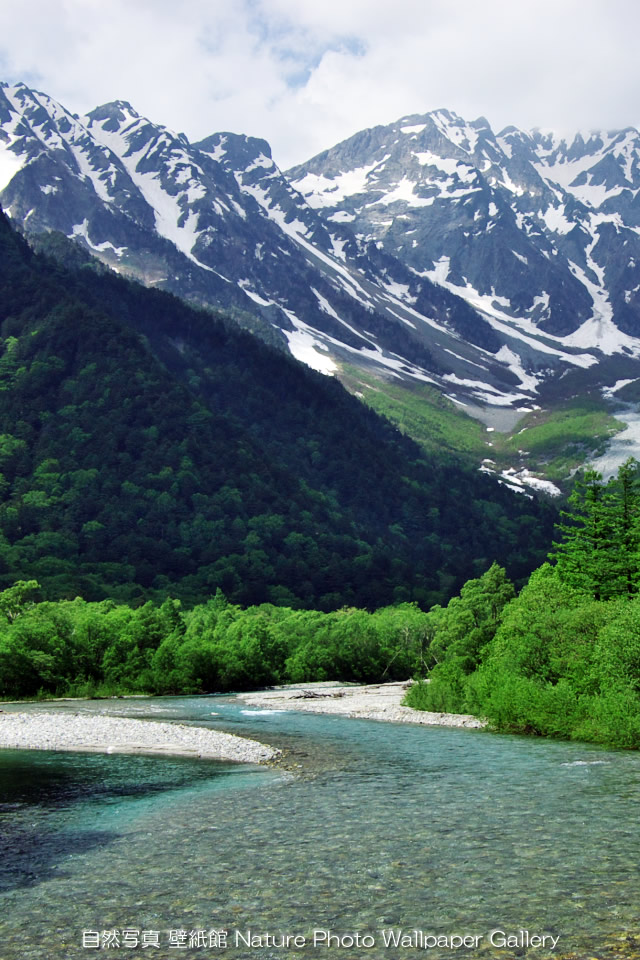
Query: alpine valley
{"points": [[313, 429], [436, 268]]}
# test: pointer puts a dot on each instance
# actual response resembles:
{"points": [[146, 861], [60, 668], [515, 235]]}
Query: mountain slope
{"points": [[499, 269], [215, 222], [148, 447]]}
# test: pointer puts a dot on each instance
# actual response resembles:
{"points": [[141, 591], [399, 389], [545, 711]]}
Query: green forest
{"points": [[561, 658], [79, 648]]}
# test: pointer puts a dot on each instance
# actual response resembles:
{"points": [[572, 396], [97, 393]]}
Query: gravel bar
{"points": [[101, 734], [374, 701]]}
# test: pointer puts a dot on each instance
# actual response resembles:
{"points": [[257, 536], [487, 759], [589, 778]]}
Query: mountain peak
{"points": [[235, 147], [113, 115]]}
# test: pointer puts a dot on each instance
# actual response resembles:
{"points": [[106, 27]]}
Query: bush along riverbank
{"points": [[78, 648], [562, 659]]}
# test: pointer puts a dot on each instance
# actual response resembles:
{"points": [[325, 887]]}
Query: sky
{"points": [[306, 74]]}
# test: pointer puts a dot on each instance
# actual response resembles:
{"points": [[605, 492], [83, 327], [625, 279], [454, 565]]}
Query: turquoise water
{"points": [[383, 829]]}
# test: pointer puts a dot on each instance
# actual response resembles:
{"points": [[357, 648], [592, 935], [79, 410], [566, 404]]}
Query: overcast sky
{"points": [[305, 74]]}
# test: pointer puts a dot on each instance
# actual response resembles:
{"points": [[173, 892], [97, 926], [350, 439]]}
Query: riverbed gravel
{"points": [[102, 734], [375, 701]]}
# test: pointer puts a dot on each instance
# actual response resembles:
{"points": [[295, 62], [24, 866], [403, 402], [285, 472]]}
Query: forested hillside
{"points": [[151, 449]]}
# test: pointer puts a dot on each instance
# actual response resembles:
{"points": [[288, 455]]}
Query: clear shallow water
{"points": [[386, 827]]}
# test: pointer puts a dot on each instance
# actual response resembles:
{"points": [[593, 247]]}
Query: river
{"points": [[375, 832]]}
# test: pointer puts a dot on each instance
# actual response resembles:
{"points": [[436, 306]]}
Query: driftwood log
{"points": [[312, 695]]}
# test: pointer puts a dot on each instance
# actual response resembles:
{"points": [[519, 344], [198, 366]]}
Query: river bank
{"points": [[373, 701], [97, 732], [85, 732]]}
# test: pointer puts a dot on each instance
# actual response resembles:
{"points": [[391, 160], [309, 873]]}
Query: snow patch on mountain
{"points": [[341, 216], [462, 134], [526, 479], [564, 171], [305, 346], [324, 304], [170, 216], [245, 286], [399, 290], [601, 333], [262, 196], [458, 356], [556, 221], [322, 191], [509, 184], [404, 192], [173, 218], [516, 327], [441, 270], [82, 230], [448, 165], [486, 392], [218, 151], [513, 362], [10, 164], [609, 392], [88, 171]]}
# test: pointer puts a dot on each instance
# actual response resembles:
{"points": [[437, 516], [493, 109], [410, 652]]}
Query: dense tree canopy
{"points": [[561, 658], [100, 648], [600, 549]]}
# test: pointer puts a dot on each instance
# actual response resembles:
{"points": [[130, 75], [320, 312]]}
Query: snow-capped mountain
{"points": [[430, 250], [215, 222], [533, 231]]}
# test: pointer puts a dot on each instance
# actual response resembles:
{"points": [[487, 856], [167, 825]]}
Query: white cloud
{"points": [[305, 75]]}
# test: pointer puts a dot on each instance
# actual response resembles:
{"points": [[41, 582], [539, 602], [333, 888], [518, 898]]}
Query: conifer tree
{"points": [[584, 557], [626, 533], [600, 550]]}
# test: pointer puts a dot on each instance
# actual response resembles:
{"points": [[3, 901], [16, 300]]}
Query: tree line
{"points": [[81, 648]]}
